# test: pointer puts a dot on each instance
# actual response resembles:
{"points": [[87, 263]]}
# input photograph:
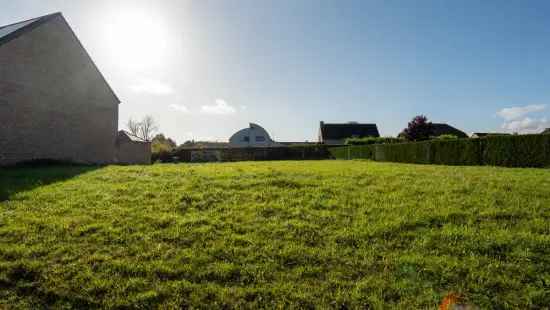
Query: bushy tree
{"points": [[162, 144], [418, 129]]}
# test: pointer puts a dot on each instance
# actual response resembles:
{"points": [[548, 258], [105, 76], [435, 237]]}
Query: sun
{"points": [[137, 40]]}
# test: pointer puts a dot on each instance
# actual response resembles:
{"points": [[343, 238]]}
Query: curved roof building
{"points": [[253, 136]]}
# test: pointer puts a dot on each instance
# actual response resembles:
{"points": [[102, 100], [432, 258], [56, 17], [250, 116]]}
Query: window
{"points": [[246, 139], [260, 139]]}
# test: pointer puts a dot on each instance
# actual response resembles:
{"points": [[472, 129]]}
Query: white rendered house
{"points": [[253, 136]]}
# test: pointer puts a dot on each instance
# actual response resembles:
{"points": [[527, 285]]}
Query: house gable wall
{"points": [[54, 103]]}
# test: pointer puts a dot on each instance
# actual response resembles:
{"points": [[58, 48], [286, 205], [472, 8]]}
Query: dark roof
{"points": [[546, 131], [348, 130], [23, 27], [445, 129], [20, 28]]}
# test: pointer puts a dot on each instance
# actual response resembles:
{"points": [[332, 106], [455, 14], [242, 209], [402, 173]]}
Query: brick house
{"points": [[54, 102]]}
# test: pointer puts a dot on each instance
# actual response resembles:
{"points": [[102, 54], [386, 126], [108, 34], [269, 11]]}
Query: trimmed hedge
{"points": [[418, 152], [517, 151], [353, 152], [508, 151], [457, 152]]}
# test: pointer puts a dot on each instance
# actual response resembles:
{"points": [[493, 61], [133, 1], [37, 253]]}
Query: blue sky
{"points": [[204, 69]]}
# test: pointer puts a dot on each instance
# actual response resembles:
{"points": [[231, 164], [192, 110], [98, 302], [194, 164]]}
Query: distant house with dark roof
{"points": [[336, 134], [546, 131], [439, 129]]}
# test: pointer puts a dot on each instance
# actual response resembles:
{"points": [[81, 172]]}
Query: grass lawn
{"points": [[327, 234]]}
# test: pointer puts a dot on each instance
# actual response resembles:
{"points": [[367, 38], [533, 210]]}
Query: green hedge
{"points": [[508, 151], [517, 151], [457, 152], [418, 153], [353, 152]]}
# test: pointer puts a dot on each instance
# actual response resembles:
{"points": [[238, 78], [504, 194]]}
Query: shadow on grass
{"points": [[27, 177]]}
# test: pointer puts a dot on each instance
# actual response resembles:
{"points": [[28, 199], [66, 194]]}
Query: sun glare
{"points": [[137, 40]]}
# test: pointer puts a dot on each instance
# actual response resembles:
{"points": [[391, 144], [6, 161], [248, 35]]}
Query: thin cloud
{"points": [[180, 108], [152, 87], [515, 113], [220, 108]]}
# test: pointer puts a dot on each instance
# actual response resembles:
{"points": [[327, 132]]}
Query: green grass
{"points": [[328, 234]]}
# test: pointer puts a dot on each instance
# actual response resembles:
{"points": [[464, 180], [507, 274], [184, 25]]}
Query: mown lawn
{"points": [[328, 234]]}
